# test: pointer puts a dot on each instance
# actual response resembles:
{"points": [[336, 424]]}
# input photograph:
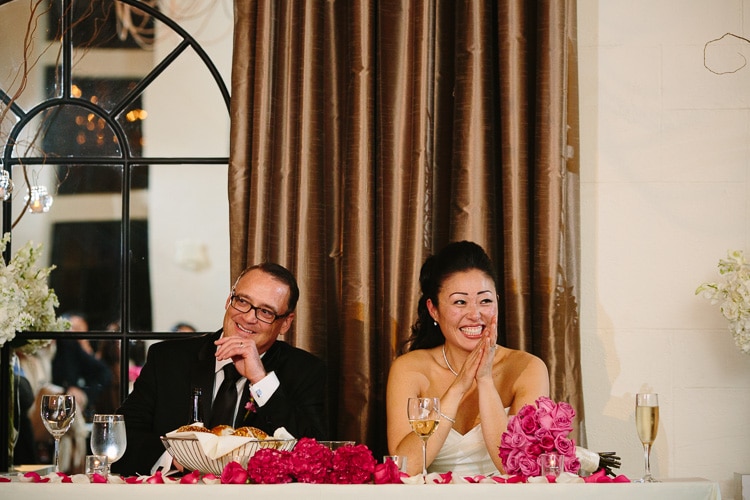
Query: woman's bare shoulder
{"points": [[412, 360], [519, 362]]}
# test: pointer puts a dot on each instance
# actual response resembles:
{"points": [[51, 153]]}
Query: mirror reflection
{"points": [[123, 180], [81, 151]]}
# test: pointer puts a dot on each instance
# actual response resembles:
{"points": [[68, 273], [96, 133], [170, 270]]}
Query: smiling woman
{"points": [[453, 355], [132, 167]]}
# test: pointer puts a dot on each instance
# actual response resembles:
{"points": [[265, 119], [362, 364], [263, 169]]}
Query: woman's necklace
{"points": [[454, 372]]}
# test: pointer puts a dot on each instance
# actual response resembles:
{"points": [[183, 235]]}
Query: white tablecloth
{"points": [[688, 489]]}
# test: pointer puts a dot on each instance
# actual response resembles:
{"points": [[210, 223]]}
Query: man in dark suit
{"points": [[287, 384]]}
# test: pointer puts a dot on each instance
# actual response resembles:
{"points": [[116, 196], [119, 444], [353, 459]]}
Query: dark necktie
{"points": [[223, 409]]}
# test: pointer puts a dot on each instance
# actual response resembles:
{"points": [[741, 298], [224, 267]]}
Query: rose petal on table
{"points": [[416, 479], [191, 478], [569, 477], [539, 479]]}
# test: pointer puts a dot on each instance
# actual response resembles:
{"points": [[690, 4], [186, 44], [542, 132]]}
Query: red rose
{"points": [[312, 462], [270, 466], [233, 473], [387, 473], [352, 465]]}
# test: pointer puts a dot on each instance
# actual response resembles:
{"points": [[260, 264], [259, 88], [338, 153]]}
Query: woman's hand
{"points": [[487, 346]]}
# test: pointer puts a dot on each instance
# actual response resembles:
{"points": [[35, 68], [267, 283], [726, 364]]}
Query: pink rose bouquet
{"points": [[535, 430], [352, 465], [312, 461], [388, 473], [270, 466]]}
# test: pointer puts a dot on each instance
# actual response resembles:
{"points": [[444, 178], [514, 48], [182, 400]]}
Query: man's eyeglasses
{"points": [[263, 314]]}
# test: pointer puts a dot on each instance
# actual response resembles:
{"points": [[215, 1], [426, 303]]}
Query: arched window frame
{"points": [[126, 161]]}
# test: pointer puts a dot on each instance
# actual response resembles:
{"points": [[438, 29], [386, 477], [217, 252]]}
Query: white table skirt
{"points": [[689, 489]]}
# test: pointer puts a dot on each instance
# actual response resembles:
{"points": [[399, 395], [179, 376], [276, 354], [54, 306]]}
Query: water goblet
{"points": [[57, 412], [647, 423], [108, 437], [424, 417]]}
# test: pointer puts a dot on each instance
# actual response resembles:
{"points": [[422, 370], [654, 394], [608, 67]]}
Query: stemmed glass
{"points": [[647, 423], [58, 412], [108, 437], [424, 417]]}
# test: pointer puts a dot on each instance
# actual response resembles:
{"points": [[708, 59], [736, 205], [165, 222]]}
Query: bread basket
{"points": [[210, 454]]}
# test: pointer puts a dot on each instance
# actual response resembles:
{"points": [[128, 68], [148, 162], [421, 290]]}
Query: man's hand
{"points": [[244, 355]]}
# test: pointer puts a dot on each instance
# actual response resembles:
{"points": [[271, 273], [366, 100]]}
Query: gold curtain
{"points": [[366, 134]]}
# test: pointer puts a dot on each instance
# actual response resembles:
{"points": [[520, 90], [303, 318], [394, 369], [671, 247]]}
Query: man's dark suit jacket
{"points": [[161, 398]]}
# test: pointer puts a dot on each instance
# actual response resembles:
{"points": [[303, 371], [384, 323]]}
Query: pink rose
{"points": [[572, 465], [534, 449], [512, 463], [387, 473], [514, 425], [529, 423], [352, 465], [312, 462], [526, 410], [233, 473], [544, 413], [504, 454], [562, 418], [565, 446], [528, 465], [270, 466], [545, 439]]}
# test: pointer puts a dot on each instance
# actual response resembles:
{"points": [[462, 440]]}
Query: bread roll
{"points": [[223, 430], [193, 428], [251, 432]]}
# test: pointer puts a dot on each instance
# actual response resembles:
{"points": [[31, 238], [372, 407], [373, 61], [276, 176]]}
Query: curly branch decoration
{"points": [[717, 40]]}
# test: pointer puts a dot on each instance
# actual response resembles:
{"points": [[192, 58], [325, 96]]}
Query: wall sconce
{"points": [[6, 185], [191, 255], [38, 199]]}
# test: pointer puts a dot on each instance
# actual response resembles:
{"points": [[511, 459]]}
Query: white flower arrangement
{"points": [[26, 302], [733, 295]]}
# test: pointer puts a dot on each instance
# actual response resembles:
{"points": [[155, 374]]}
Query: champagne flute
{"points": [[424, 417], [647, 423], [108, 437], [58, 412]]}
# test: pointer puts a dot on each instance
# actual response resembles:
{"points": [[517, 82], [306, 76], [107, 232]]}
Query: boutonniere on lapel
{"points": [[250, 406]]}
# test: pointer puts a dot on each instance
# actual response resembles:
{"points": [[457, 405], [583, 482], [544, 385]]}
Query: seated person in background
{"points": [[25, 451], [183, 327], [278, 385], [75, 366], [453, 354]]}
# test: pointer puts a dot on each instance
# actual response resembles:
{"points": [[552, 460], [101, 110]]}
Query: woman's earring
{"points": [[435, 323]]}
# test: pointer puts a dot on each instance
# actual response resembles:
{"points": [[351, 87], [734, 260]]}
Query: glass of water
{"points": [[108, 437]]}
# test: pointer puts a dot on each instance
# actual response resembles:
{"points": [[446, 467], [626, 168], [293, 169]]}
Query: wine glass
{"points": [[424, 417], [647, 423], [58, 412], [108, 437]]}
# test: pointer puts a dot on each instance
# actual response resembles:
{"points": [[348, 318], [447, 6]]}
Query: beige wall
{"points": [[665, 180]]}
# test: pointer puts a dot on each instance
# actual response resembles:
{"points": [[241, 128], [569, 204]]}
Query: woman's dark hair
{"points": [[453, 258]]}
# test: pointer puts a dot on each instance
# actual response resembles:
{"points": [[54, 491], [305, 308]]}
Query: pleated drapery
{"points": [[365, 135]]}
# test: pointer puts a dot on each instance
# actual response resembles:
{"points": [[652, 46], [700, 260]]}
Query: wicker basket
{"points": [[188, 452]]}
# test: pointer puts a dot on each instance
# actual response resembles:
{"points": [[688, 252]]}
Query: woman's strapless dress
{"points": [[464, 454]]}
